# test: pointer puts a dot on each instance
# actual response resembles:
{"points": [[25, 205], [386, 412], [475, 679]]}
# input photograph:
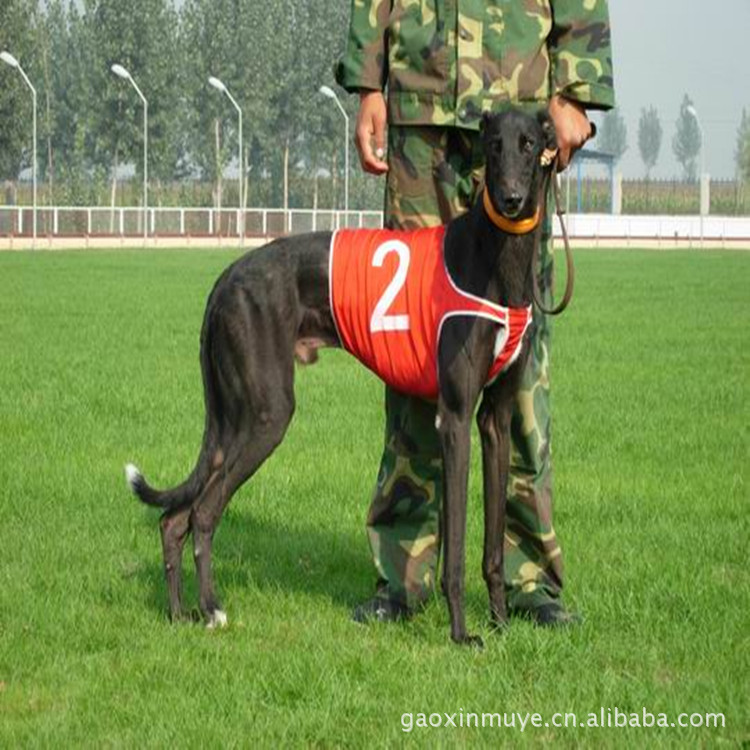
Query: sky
{"points": [[664, 49]]}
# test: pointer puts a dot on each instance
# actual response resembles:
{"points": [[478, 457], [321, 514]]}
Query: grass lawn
{"points": [[99, 366]]}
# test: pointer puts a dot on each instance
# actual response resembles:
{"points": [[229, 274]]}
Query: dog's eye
{"points": [[527, 145]]}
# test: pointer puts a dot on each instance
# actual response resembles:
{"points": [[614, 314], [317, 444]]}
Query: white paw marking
{"points": [[218, 619], [438, 422]]}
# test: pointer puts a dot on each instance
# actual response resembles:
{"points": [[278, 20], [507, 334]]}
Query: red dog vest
{"points": [[390, 295]]}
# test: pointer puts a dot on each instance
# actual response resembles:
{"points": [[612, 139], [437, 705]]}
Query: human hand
{"points": [[370, 132], [572, 127]]}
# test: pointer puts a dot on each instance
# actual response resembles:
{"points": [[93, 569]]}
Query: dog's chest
{"points": [[390, 296]]}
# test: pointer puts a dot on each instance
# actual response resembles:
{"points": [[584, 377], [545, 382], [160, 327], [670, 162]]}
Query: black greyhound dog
{"points": [[274, 304]]}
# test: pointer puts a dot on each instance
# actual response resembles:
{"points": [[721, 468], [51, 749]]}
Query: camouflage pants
{"points": [[434, 175]]}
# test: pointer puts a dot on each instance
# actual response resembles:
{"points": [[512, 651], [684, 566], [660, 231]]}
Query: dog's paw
{"points": [[217, 619], [498, 618], [185, 618], [498, 625], [473, 641]]}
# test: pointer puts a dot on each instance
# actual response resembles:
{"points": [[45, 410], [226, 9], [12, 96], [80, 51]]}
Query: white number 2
{"points": [[379, 320]]}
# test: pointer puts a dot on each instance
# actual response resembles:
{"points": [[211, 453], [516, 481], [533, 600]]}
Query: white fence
{"points": [[679, 229], [73, 222], [65, 221]]}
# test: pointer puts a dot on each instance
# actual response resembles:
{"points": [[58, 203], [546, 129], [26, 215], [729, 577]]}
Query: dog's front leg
{"points": [[455, 430], [493, 420]]}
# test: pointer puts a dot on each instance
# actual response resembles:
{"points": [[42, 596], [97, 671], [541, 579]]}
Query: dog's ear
{"points": [[548, 130], [486, 117], [549, 137]]}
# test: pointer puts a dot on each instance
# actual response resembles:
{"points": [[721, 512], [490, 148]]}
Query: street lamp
{"points": [[219, 86], [7, 58], [328, 92], [121, 72], [691, 110]]}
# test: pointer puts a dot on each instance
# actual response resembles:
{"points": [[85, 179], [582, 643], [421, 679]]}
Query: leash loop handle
{"points": [[570, 280]]}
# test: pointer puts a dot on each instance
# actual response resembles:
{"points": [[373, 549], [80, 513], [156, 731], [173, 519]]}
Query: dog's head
{"points": [[517, 148]]}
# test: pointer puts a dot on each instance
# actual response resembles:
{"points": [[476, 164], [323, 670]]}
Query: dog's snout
{"points": [[513, 201]]}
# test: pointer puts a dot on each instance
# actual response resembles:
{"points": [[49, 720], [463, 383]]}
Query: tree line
{"points": [[686, 141], [273, 58]]}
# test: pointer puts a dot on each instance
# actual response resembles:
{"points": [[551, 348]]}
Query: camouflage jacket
{"points": [[444, 62]]}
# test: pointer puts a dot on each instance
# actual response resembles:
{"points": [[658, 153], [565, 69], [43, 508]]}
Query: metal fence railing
{"points": [[67, 221], [677, 229], [97, 222]]}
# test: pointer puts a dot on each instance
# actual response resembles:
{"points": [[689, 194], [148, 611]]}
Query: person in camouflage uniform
{"points": [[444, 63]]}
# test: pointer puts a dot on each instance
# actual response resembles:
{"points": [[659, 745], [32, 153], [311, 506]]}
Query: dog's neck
{"points": [[491, 262], [511, 259]]}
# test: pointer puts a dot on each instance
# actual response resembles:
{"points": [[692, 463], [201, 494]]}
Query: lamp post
{"points": [[7, 58], [691, 110], [328, 92], [121, 72], [219, 86]]}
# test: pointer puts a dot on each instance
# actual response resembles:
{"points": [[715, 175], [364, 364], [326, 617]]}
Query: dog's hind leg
{"points": [[205, 516], [174, 526], [248, 363], [207, 512]]}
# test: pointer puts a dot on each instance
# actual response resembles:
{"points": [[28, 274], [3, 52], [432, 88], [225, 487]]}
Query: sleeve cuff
{"points": [[591, 95], [354, 75]]}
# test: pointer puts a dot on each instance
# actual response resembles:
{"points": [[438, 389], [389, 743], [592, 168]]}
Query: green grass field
{"points": [[99, 366]]}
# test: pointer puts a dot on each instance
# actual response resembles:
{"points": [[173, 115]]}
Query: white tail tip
{"points": [[132, 475]]}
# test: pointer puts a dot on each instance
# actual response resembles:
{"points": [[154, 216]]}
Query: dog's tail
{"points": [[183, 494], [211, 457]]}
